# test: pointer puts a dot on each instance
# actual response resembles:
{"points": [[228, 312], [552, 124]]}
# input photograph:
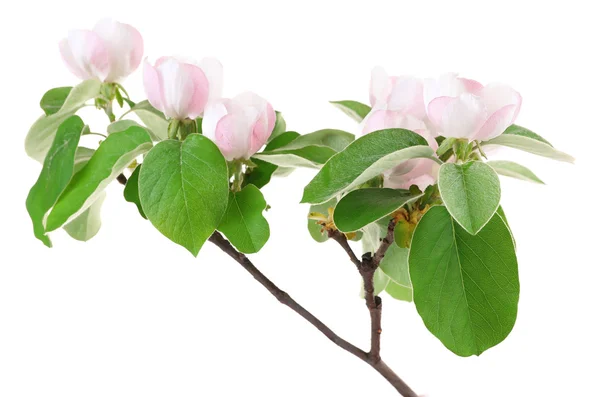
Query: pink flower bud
{"points": [[109, 52], [239, 126], [462, 108], [181, 90]]}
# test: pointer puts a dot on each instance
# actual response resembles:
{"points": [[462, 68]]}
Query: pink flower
{"points": [[397, 93], [181, 90], [462, 108], [109, 52], [239, 126], [420, 172]]}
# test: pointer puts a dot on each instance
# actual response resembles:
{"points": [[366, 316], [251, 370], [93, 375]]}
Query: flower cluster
{"points": [[450, 106], [111, 51]]}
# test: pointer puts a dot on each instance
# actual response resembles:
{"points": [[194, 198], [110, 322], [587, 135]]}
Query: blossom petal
{"points": [[199, 96], [497, 123], [462, 117], [407, 96], [213, 70], [380, 87], [153, 86], [87, 55]]}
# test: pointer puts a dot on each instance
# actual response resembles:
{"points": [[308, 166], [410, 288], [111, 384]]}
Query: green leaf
{"points": [[520, 138], [522, 131], [471, 192], [356, 110], [87, 225], [244, 224], [334, 139], [82, 156], [280, 126], [261, 174], [55, 175], [363, 159], [466, 288], [114, 154], [502, 215], [363, 206], [42, 132], [514, 170], [54, 99], [281, 140], [184, 188], [153, 119], [316, 230], [395, 265], [131, 191], [309, 157], [121, 125]]}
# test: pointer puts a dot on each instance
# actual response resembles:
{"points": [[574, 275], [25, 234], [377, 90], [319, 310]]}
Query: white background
{"points": [[132, 314]]}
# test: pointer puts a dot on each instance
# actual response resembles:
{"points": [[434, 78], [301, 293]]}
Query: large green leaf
{"points": [[395, 265], [363, 206], [56, 173], [356, 110], [466, 288], [153, 119], [471, 192], [54, 99], [363, 159], [244, 224], [114, 154], [521, 138], [88, 223], [132, 192], [514, 170], [42, 132], [184, 188]]}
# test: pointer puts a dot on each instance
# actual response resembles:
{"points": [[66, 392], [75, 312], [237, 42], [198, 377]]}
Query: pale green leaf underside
{"points": [[466, 287], [113, 155], [42, 132], [530, 145], [355, 110], [363, 206], [395, 265], [184, 189], [514, 170], [471, 192], [57, 171], [334, 139], [308, 157], [364, 159], [88, 223], [153, 119], [316, 231], [243, 223]]}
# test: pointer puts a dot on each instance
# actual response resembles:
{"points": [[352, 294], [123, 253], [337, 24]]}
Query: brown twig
{"points": [[284, 298]]}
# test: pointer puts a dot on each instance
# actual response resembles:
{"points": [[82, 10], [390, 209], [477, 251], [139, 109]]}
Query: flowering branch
{"points": [[372, 359]]}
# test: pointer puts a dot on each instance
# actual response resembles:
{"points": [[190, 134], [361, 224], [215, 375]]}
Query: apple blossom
{"points": [[462, 108], [239, 126], [398, 93], [181, 90], [109, 52]]}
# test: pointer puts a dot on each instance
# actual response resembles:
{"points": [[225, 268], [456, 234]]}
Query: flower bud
{"points": [[239, 126], [109, 52]]}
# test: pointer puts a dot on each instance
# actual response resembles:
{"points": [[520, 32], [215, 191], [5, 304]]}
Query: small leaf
{"points": [[356, 110], [55, 175], [364, 159], [466, 288], [309, 157], [514, 170], [334, 139], [88, 223], [316, 230], [119, 98], [395, 265], [244, 224], [54, 99], [520, 138], [280, 126], [42, 132], [471, 192], [153, 119], [131, 191], [281, 140], [363, 206], [121, 125], [114, 154], [184, 189]]}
